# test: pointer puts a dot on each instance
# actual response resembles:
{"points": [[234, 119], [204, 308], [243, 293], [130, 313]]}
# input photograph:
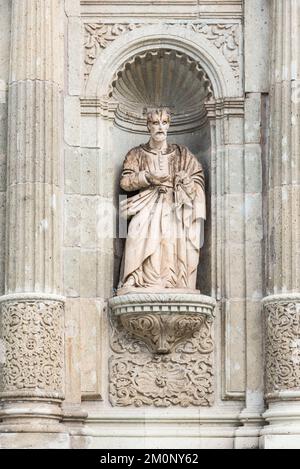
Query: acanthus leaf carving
{"points": [[224, 36], [164, 331], [99, 36]]}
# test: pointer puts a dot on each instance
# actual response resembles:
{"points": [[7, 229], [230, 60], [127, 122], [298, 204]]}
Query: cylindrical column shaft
{"points": [[34, 148], [282, 303], [32, 311], [283, 275]]}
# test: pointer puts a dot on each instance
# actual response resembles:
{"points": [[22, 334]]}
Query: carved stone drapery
{"points": [[32, 349], [282, 343], [142, 372]]}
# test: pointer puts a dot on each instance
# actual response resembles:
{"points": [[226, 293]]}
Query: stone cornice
{"points": [[163, 8]]}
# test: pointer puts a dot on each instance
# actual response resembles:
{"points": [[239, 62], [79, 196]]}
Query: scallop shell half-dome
{"points": [[161, 78]]}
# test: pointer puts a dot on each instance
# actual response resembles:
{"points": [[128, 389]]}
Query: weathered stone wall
{"points": [[62, 141]]}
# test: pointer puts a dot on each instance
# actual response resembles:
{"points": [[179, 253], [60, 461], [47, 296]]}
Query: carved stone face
{"points": [[158, 123]]}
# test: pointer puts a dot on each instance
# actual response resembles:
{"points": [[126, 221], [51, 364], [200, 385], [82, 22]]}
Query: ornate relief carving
{"points": [[98, 36], [32, 334], [184, 377], [162, 332], [282, 343], [225, 36]]}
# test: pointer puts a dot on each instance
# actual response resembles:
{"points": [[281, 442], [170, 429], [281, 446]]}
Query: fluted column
{"points": [[32, 311], [282, 303]]}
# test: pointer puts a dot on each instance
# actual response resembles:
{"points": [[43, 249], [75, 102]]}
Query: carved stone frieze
{"points": [[224, 36], [141, 376], [33, 355], [282, 345]]}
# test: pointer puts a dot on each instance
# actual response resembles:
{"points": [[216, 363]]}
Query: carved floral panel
{"points": [[32, 338]]}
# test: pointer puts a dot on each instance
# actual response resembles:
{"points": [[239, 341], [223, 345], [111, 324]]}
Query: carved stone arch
{"points": [[173, 37]]}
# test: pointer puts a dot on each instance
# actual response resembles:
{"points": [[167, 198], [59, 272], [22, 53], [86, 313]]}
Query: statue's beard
{"points": [[160, 136]]}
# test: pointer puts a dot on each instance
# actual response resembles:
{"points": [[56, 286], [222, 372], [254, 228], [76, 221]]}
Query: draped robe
{"points": [[163, 242]]}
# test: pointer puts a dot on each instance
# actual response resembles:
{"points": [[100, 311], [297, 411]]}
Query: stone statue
{"points": [[163, 242]]}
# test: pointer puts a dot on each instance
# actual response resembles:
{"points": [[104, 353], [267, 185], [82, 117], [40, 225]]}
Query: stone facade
{"points": [[73, 90]]}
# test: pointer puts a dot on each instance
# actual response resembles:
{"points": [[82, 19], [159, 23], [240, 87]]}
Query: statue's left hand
{"points": [[184, 181], [183, 178]]}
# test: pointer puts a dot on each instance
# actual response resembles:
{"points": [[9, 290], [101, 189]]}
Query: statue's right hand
{"points": [[156, 179]]}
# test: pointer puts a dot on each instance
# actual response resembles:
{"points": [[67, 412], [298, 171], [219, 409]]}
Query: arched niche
{"points": [[163, 78], [208, 129]]}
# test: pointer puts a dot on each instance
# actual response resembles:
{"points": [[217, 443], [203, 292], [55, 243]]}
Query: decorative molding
{"points": [[32, 338], [224, 36], [188, 9], [282, 345], [141, 376], [170, 302]]}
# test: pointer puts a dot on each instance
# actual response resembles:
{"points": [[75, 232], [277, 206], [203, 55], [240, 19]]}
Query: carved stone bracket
{"points": [[162, 332], [162, 350], [282, 344], [162, 320]]}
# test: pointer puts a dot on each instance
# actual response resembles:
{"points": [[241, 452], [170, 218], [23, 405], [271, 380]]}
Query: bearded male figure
{"points": [[163, 243]]}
